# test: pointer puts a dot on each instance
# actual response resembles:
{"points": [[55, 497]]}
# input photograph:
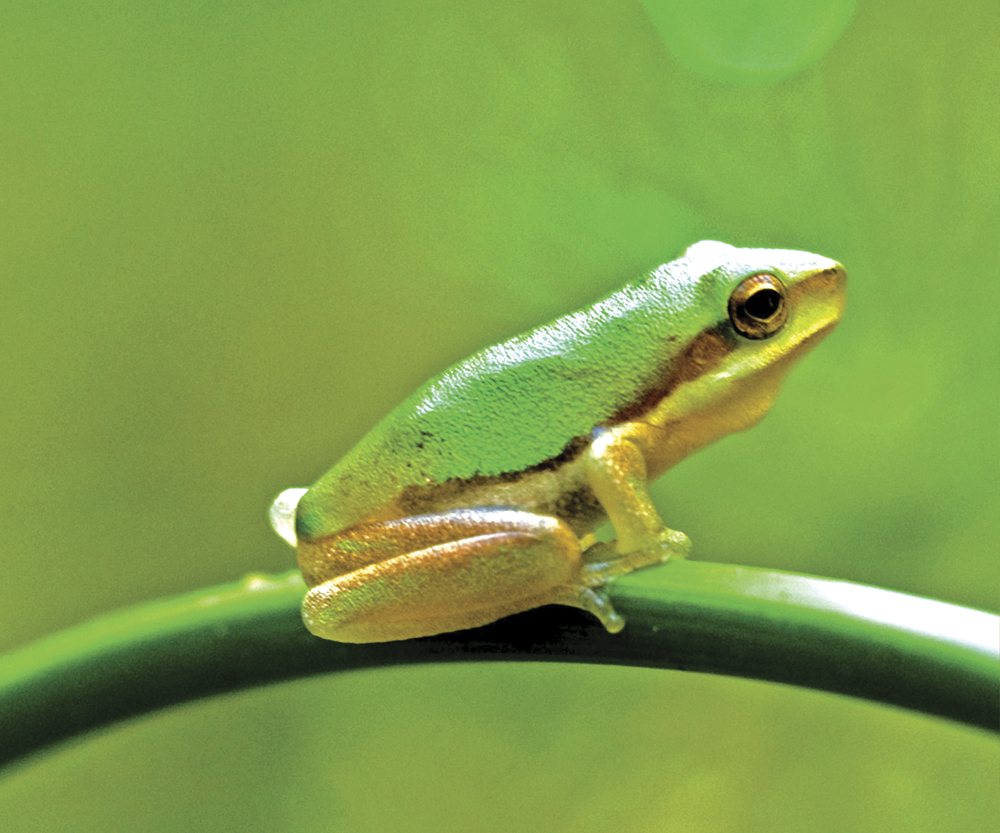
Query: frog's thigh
{"points": [[359, 546], [507, 561]]}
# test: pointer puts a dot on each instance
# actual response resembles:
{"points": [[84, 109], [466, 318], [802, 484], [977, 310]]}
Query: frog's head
{"points": [[775, 302], [758, 312]]}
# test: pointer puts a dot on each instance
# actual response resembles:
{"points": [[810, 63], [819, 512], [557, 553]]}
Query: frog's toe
{"points": [[673, 544], [596, 602]]}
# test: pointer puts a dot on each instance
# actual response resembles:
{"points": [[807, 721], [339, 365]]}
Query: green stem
{"points": [[907, 651]]}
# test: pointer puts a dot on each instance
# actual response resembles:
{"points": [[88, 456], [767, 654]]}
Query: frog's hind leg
{"points": [[446, 571], [602, 562], [375, 542], [596, 602]]}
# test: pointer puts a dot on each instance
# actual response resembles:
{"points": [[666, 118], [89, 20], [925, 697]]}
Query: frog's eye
{"points": [[758, 307]]}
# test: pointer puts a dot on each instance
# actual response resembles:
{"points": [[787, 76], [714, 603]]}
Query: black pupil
{"points": [[763, 304]]}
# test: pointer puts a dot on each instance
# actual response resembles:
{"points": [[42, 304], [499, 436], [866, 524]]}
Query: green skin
{"points": [[550, 422]]}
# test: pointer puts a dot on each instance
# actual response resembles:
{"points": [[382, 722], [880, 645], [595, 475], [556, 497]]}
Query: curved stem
{"points": [[835, 636]]}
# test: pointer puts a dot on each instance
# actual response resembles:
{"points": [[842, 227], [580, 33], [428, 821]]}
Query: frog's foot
{"points": [[602, 562], [596, 602]]}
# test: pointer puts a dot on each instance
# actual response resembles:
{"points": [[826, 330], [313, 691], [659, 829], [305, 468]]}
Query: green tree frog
{"points": [[479, 496]]}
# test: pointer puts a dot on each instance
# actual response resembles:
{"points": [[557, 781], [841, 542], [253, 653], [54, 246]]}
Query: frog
{"points": [[483, 494]]}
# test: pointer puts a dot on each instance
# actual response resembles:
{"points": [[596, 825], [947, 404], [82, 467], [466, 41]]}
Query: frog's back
{"points": [[509, 407]]}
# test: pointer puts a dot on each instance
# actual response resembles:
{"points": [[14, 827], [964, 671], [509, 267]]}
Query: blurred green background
{"points": [[234, 235]]}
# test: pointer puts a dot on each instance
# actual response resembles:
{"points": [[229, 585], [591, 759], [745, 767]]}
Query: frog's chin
{"points": [[282, 514]]}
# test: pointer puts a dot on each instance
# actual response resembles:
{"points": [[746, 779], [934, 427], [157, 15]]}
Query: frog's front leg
{"points": [[616, 469], [441, 572]]}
